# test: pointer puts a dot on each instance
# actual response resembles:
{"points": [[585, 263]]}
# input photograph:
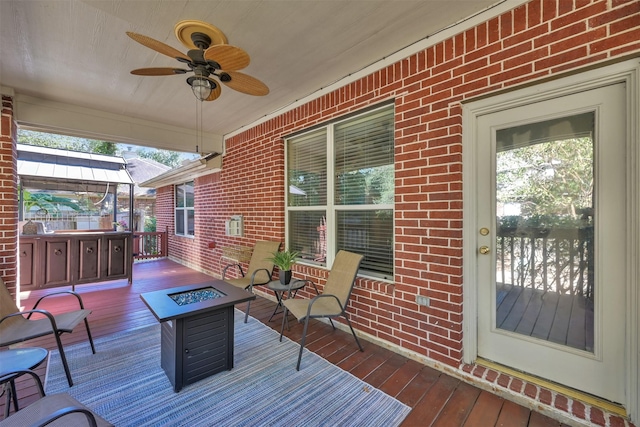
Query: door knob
{"points": [[484, 250]]}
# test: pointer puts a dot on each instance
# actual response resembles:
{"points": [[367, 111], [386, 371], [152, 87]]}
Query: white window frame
{"points": [[331, 208], [185, 209]]}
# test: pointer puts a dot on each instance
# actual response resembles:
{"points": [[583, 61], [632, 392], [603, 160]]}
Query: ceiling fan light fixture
{"points": [[201, 87], [208, 55]]}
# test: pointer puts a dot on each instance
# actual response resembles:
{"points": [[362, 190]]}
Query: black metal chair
{"points": [[53, 410], [332, 302], [15, 327], [259, 270]]}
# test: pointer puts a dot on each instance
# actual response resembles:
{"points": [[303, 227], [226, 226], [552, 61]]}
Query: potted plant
{"points": [[284, 260], [120, 225]]}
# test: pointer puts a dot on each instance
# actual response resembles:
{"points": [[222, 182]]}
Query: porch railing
{"points": [[149, 245], [551, 260]]}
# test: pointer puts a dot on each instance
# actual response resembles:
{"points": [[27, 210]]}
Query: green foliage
{"points": [[48, 202], [366, 186], [284, 260], [172, 159], [369, 186], [381, 185], [169, 158], [103, 147], [150, 225], [310, 184], [541, 222], [65, 142], [547, 180]]}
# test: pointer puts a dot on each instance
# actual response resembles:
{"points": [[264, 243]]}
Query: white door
{"points": [[551, 214]]}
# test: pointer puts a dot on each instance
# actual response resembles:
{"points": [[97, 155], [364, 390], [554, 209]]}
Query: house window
{"points": [[341, 191], [185, 213]]}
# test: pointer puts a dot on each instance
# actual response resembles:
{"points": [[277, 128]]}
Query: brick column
{"points": [[8, 195]]}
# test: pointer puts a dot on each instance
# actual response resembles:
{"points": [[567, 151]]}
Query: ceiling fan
{"points": [[209, 55]]}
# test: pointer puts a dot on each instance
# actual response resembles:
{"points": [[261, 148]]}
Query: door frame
{"points": [[627, 72]]}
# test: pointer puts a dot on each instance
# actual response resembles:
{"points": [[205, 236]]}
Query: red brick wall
{"points": [[537, 40], [8, 195]]}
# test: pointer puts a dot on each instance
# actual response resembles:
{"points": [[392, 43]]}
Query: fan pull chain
{"points": [[199, 132]]}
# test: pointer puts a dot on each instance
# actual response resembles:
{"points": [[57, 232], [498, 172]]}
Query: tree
{"points": [[103, 147], [65, 142], [172, 159], [51, 140], [550, 181]]}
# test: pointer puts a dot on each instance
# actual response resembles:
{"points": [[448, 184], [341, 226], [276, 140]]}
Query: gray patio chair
{"points": [[333, 300], [55, 410], [15, 327], [259, 270]]}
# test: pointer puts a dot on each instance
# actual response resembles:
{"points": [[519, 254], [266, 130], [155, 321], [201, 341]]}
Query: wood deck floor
{"points": [[436, 399], [558, 318]]}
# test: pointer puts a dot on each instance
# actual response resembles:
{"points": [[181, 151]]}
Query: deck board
{"points": [[562, 319], [485, 411], [435, 398]]}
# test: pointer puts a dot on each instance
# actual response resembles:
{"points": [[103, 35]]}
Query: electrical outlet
{"points": [[422, 300]]}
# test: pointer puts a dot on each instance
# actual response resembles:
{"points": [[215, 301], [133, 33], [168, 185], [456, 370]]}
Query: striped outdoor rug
{"points": [[125, 384]]}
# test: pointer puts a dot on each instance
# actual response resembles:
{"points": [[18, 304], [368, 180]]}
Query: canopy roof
{"points": [[54, 169]]}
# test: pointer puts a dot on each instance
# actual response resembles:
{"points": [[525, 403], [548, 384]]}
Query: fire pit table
{"points": [[196, 329]]}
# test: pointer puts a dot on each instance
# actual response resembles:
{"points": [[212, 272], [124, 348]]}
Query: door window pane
{"points": [[545, 241]]}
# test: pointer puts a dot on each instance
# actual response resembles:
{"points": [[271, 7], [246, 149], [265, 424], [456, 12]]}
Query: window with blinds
{"points": [[307, 169], [364, 159], [341, 191], [184, 210]]}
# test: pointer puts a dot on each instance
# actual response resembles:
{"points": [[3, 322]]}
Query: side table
{"points": [[18, 359], [279, 289]]}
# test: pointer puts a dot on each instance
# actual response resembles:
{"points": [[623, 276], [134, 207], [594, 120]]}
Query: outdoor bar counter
{"points": [[74, 257]]}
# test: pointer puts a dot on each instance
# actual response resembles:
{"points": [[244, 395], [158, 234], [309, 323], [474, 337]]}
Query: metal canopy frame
{"points": [[44, 168]]}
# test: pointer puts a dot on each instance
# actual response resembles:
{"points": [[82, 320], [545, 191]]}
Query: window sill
{"points": [[372, 283]]}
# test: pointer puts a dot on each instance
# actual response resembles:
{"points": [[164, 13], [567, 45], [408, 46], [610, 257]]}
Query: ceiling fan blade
{"points": [[244, 83], [216, 91], [158, 46], [159, 71], [229, 57]]}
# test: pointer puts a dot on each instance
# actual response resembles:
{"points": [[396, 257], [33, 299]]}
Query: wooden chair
{"points": [[15, 327], [53, 410], [333, 300], [259, 270]]}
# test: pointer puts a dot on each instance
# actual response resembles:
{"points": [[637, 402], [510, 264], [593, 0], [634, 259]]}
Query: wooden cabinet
{"points": [[27, 255], [89, 258], [57, 262], [118, 256], [68, 259]]}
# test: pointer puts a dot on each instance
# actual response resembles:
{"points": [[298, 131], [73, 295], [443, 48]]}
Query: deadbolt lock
{"points": [[484, 231], [484, 250]]}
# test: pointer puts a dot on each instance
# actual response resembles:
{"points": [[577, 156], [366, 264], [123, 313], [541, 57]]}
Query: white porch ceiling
{"points": [[74, 55]]}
